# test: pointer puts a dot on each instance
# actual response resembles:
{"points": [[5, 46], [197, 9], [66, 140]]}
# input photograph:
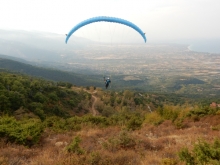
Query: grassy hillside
{"points": [[43, 122]]}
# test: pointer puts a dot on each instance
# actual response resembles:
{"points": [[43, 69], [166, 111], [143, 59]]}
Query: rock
{"points": [[58, 144]]}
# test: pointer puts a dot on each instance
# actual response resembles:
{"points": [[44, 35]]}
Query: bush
{"points": [[169, 112], [108, 111], [40, 113], [153, 118], [53, 96], [55, 123], [122, 141], [26, 132], [202, 153], [186, 156], [179, 123], [134, 123], [74, 147], [202, 111], [96, 120], [125, 141]]}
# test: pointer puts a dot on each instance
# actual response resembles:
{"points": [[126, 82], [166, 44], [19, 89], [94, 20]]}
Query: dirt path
{"points": [[94, 111]]}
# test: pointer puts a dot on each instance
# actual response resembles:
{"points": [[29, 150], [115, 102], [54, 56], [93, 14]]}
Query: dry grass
{"points": [[150, 145]]}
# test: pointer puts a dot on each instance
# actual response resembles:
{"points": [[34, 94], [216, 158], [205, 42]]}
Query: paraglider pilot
{"points": [[107, 82]]}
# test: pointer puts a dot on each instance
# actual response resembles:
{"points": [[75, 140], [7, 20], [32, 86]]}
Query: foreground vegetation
{"points": [[169, 138], [44, 122]]}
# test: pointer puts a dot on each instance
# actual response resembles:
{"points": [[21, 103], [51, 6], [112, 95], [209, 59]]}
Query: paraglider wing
{"points": [[106, 19]]}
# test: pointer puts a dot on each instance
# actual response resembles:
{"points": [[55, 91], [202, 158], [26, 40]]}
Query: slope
{"points": [[50, 74]]}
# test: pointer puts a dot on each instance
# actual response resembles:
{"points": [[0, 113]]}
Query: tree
{"points": [[4, 104], [39, 97], [16, 100]]}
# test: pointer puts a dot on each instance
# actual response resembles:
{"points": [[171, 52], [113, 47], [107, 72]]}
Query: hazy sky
{"points": [[160, 19]]}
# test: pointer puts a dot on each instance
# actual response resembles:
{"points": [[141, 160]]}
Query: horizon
{"points": [[198, 45]]}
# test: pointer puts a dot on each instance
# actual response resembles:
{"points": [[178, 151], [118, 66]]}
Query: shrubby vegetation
{"points": [[26, 132], [202, 153], [130, 121], [40, 97], [31, 108]]}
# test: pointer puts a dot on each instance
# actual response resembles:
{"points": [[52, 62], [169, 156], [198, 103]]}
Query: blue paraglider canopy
{"points": [[106, 19]]}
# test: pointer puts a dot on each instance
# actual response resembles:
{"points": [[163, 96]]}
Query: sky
{"points": [[160, 19]]}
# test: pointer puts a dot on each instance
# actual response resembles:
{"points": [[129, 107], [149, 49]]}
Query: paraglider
{"points": [[107, 82], [106, 19]]}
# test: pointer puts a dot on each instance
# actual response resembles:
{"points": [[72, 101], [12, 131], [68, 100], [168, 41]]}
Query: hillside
{"points": [[43, 122], [50, 74], [22, 95]]}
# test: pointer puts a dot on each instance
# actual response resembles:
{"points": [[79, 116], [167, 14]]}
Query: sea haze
{"points": [[206, 45]]}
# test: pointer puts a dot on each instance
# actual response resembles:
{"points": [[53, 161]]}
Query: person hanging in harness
{"points": [[107, 82]]}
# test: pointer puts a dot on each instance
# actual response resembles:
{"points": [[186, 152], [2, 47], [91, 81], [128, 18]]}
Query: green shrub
{"points": [[186, 156], [123, 140], [169, 112], [217, 112], [96, 120], [134, 123], [26, 132], [53, 96], [153, 118], [179, 123], [202, 111], [40, 113], [74, 147], [202, 153], [56, 124]]}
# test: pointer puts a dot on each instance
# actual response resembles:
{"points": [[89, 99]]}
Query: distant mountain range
{"points": [[43, 46]]}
